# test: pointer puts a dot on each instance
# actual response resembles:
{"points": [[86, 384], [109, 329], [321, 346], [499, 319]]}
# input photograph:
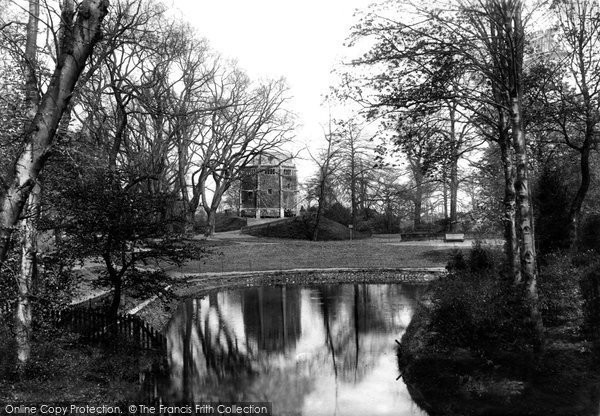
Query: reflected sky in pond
{"points": [[320, 350]]}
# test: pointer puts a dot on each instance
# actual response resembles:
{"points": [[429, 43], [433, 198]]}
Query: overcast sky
{"points": [[299, 40]]}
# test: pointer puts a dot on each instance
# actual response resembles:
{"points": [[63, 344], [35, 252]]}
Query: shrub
{"points": [[559, 287], [590, 291], [478, 311], [475, 305], [482, 258], [338, 213], [589, 237], [552, 200]]}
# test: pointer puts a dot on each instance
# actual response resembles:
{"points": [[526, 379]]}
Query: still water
{"points": [[316, 350]]}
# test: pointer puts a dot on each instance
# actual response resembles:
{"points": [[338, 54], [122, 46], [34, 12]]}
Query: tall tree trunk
{"points": [[525, 217], [32, 94], [453, 170], [584, 31], [353, 181], [528, 284], [454, 196], [211, 209], [26, 279], [445, 197], [584, 185], [189, 211], [77, 43], [115, 278], [499, 82], [321, 201], [511, 248], [210, 221], [418, 201], [323, 182]]}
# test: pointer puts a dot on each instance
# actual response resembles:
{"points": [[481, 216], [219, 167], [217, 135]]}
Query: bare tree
{"points": [[247, 121], [327, 162], [355, 158]]}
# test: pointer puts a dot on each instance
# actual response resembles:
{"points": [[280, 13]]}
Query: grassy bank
{"points": [[468, 351], [302, 227], [272, 254]]}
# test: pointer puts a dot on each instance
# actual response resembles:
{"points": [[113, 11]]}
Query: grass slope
{"points": [[227, 223], [301, 228]]}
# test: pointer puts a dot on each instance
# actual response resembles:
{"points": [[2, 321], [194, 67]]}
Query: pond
{"points": [[310, 350]]}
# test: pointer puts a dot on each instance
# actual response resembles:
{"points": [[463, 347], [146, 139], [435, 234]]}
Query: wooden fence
{"points": [[93, 323], [97, 325]]}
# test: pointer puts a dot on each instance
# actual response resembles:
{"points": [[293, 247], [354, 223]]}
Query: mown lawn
{"points": [[271, 254]]}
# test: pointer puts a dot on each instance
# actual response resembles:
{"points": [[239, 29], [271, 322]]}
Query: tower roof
{"points": [[274, 158]]}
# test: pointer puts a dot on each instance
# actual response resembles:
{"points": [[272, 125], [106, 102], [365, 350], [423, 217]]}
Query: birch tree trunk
{"points": [[513, 27], [76, 44], [25, 280], [23, 313], [511, 248], [525, 217], [453, 170]]}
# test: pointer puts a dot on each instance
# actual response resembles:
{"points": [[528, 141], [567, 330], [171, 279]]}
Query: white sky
{"points": [[300, 40]]}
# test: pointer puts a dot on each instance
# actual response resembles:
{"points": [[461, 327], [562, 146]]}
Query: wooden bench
{"points": [[454, 237]]}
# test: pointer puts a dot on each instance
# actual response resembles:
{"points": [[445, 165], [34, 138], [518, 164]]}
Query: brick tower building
{"points": [[269, 187]]}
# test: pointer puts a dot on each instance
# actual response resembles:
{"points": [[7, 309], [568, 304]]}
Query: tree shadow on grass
{"points": [[442, 256]]}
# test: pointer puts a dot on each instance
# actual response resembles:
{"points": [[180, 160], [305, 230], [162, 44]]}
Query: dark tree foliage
{"points": [[112, 216], [338, 213], [552, 198]]}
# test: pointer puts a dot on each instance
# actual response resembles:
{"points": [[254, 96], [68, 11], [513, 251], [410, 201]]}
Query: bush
{"points": [[338, 213], [589, 236], [559, 287], [475, 305], [552, 200], [478, 311], [590, 292], [482, 258]]}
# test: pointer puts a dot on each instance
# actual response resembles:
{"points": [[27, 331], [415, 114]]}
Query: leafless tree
{"points": [[247, 121]]}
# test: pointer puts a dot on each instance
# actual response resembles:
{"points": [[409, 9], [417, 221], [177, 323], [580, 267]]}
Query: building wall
{"points": [[269, 187]]}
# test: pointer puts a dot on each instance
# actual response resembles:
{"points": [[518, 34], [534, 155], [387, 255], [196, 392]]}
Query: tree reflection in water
{"points": [[310, 350]]}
